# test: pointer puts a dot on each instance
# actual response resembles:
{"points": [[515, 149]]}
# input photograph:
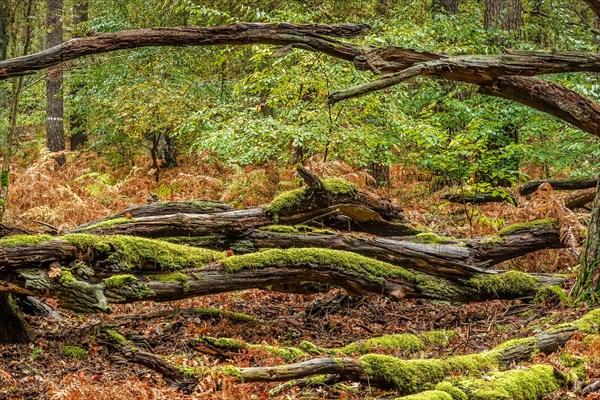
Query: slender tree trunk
{"points": [[77, 120], [3, 29], [55, 133], [588, 280], [444, 6]]}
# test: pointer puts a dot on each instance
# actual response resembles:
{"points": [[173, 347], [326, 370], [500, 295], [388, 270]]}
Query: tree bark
{"points": [[587, 286], [502, 14], [77, 119], [55, 134], [3, 30], [445, 6]]}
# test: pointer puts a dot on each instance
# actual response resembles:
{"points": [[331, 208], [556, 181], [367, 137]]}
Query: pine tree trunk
{"points": [[55, 134], [588, 280]]}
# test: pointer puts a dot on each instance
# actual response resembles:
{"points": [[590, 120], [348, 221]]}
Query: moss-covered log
{"points": [[321, 198], [416, 375], [427, 252], [87, 272], [455, 374]]}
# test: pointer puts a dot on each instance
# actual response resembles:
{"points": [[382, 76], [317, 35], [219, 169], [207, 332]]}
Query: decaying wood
{"points": [[572, 201], [79, 275], [579, 198], [369, 213], [559, 184], [450, 258], [308, 36], [404, 376]]}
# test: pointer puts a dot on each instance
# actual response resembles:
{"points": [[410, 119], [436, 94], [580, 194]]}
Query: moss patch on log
{"points": [[294, 229], [350, 263], [294, 198], [130, 252], [429, 395], [108, 224], [117, 281], [520, 384], [533, 225], [24, 240], [434, 239], [510, 282]]}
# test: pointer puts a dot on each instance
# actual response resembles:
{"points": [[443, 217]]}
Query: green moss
{"points": [[403, 341], [294, 229], [24, 240], [310, 348], [173, 277], [411, 376], [339, 186], [521, 384], [590, 322], [210, 312], [292, 199], [231, 371], [533, 225], [428, 395], [454, 392], [117, 338], [510, 282], [344, 261], [192, 240], [108, 224], [433, 239], [117, 281], [224, 343], [74, 352], [552, 295], [285, 201], [66, 277], [288, 354], [129, 252], [509, 344]]}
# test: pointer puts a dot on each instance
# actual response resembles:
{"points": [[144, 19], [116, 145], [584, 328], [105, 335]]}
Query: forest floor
{"points": [[44, 370]]}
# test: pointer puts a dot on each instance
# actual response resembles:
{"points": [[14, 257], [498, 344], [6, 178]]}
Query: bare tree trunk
{"points": [[445, 6], [503, 14], [55, 133], [3, 30], [79, 137]]}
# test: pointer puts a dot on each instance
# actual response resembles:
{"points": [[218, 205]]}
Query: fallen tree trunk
{"points": [[413, 375], [572, 201], [427, 252], [87, 273], [321, 198]]}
